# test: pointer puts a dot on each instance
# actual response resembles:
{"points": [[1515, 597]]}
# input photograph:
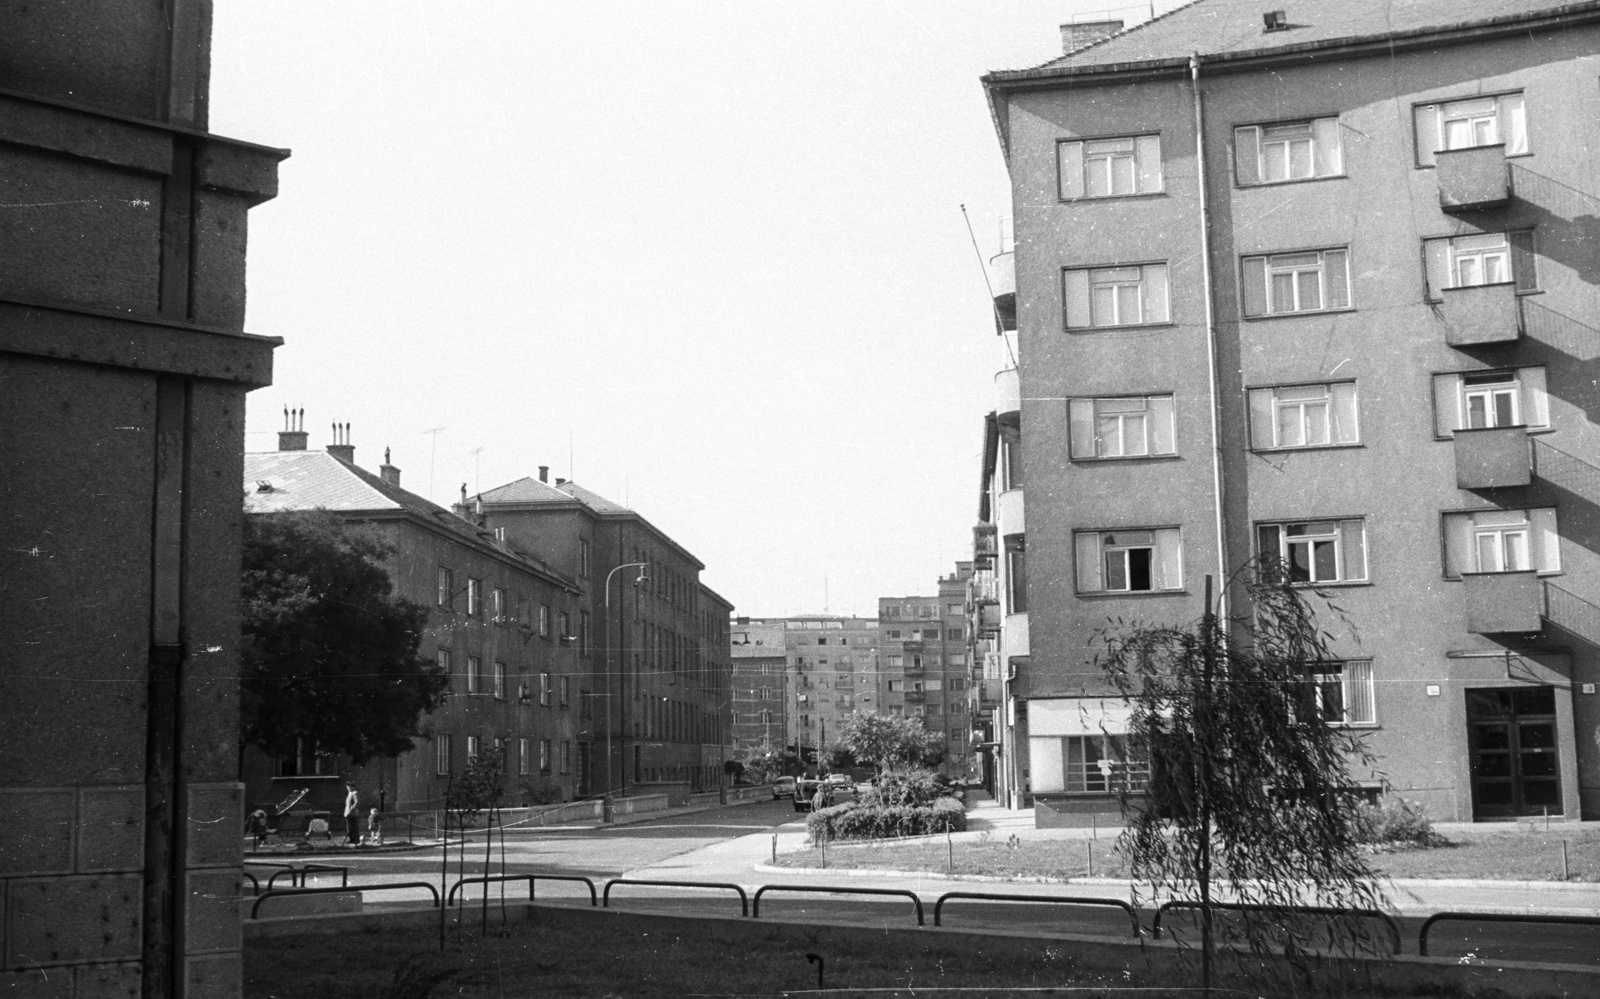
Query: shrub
{"points": [[861, 820], [1396, 822], [911, 788]]}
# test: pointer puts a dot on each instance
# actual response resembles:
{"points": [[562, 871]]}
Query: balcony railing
{"points": [[1008, 396], [1003, 281], [1559, 468], [1572, 613], [1481, 314], [916, 695], [1472, 179], [1503, 602], [985, 545], [1493, 458]]}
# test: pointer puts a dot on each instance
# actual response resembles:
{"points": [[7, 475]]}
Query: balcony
{"points": [[1472, 179], [1502, 602], [1008, 512], [989, 691], [1003, 280], [1008, 396], [1492, 458], [984, 546], [1483, 314], [916, 696], [909, 647], [1015, 637], [989, 619]]}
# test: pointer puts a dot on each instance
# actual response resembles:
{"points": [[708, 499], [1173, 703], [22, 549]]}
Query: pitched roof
{"points": [[1235, 28], [527, 490]]}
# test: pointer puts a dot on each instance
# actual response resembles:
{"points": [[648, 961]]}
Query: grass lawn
{"points": [[1500, 856]]}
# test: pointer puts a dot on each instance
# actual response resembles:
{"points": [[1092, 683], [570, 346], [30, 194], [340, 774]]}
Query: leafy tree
{"points": [[890, 741], [1250, 786], [329, 652]]}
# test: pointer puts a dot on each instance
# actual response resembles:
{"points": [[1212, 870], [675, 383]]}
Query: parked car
{"points": [[841, 782], [805, 789], [783, 787]]}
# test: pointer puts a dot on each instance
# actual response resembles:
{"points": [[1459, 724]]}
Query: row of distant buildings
{"points": [[578, 638], [797, 679], [1316, 283]]}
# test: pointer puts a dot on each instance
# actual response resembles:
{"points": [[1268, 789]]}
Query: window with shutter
{"points": [[1287, 151], [1312, 281], [1501, 541], [1476, 399], [1127, 427], [1115, 296], [1477, 121], [1291, 416], [1314, 552], [1109, 168], [1481, 259], [1131, 561]]}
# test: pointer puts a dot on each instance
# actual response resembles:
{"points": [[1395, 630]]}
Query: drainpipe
{"points": [[1211, 337]]}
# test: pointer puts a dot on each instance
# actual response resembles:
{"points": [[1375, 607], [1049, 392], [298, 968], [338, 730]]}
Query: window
{"points": [[1303, 416], [499, 680], [1109, 168], [1344, 692], [447, 588], [1098, 764], [1319, 551], [583, 634], [896, 686], [583, 558], [958, 683], [500, 607], [544, 620], [897, 662], [924, 611], [1481, 121], [566, 691], [1483, 399], [1487, 258], [1011, 469], [441, 753], [474, 597], [444, 660], [473, 743], [522, 757], [1115, 296], [953, 633], [1016, 574], [566, 628], [1313, 281], [1298, 150], [1501, 541], [544, 689], [474, 675], [1120, 428], [894, 634], [1134, 561], [544, 756], [958, 659]]}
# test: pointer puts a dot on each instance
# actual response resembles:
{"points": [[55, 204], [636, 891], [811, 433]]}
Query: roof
{"points": [[529, 490], [277, 481], [1234, 28]]}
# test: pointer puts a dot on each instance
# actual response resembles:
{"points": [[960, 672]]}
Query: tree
{"points": [[889, 741], [329, 653], [1249, 782]]}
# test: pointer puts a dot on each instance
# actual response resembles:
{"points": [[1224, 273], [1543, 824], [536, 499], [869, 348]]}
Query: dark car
{"points": [[783, 787], [805, 790]]}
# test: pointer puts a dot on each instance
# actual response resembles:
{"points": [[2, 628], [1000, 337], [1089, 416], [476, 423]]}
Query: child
{"points": [[374, 827]]}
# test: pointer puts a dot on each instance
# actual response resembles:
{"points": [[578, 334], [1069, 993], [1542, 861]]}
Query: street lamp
{"points": [[614, 669]]}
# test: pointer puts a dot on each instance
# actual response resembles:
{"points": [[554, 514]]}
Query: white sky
{"points": [[703, 258]]}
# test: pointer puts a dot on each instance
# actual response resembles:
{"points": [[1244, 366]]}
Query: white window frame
{"points": [[1453, 393], [474, 674], [1480, 259], [544, 756], [1340, 422], [1343, 538], [1254, 163], [544, 620], [522, 757], [1533, 535], [1110, 297], [1262, 293], [1490, 120], [474, 597], [1119, 166], [441, 753], [1356, 690], [1121, 427], [1103, 555], [544, 689], [499, 680], [474, 747]]}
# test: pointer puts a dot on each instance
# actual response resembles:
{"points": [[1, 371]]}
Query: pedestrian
{"points": [[258, 827], [374, 827], [352, 815]]}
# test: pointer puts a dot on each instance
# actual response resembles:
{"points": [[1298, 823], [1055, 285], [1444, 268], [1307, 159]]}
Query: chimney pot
{"points": [[544, 473], [560, 481], [388, 472], [1082, 34]]}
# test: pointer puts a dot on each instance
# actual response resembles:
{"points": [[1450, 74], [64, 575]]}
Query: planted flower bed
{"points": [[899, 805]]}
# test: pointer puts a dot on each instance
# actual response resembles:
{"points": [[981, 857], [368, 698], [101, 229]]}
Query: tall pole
{"points": [[614, 673], [1203, 732]]}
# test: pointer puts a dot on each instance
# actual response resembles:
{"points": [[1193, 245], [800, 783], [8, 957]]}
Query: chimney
{"points": [[388, 472], [341, 447], [293, 435], [544, 473], [560, 481], [1082, 34]]}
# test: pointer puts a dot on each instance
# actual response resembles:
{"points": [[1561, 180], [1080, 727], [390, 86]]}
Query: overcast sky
{"points": [[704, 258]]}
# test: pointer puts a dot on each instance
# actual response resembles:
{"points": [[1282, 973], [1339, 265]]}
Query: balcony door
{"points": [[1511, 736]]}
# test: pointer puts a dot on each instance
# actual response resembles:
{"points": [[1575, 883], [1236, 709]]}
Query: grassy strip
{"points": [[1488, 856]]}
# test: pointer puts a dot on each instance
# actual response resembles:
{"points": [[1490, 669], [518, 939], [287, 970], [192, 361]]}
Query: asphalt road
{"points": [[723, 844]]}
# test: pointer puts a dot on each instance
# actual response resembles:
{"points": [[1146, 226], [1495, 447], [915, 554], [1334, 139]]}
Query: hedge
{"points": [[854, 820]]}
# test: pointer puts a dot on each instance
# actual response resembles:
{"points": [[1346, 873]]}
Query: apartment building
{"points": [[501, 623], [834, 672], [124, 363], [926, 664], [760, 688], [661, 674], [1314, 283]]}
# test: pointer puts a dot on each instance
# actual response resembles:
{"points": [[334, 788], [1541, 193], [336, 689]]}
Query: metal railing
{"points": [[825, 890], [744, 901], [296, 873], [1571, 612], [1571, 473], [450, 897], [1308, 910], [388, 886], [1133, 916], [253, 882], [1494, 917]]}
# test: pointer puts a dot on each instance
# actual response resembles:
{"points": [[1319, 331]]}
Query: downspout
{"points": [[1211, 339]]}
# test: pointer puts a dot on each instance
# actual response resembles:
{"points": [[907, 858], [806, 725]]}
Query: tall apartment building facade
{"points": [[661, 674], [1318, 286], [834, 672], [760, 688], [124, 366], [926, 665]]}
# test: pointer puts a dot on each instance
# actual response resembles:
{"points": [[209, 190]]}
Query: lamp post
{"points": [[614, 668]]}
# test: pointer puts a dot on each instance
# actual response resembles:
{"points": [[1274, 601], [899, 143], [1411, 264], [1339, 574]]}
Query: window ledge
{"points": [[1307, 447], [1304, 314], [1100, 594], [1292, 180], [1541, 573], [1127, 457], [1333, 584], [1128, 326], [1111, 197]]}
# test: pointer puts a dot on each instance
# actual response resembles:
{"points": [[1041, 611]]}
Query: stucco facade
{"points": [[1296, 247]]}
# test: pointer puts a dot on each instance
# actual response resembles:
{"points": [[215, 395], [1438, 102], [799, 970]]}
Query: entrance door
{"points": [[1511, 736]]}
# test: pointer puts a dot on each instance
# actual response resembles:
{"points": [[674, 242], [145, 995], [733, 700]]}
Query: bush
{"points": [[1396, 822], [908, 789], [861, 820]]}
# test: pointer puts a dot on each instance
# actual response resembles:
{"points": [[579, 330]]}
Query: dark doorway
{"points": [[1511, 736]]}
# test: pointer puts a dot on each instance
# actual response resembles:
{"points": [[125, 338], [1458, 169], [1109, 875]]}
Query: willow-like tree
{"points": [[1250, 799]]}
